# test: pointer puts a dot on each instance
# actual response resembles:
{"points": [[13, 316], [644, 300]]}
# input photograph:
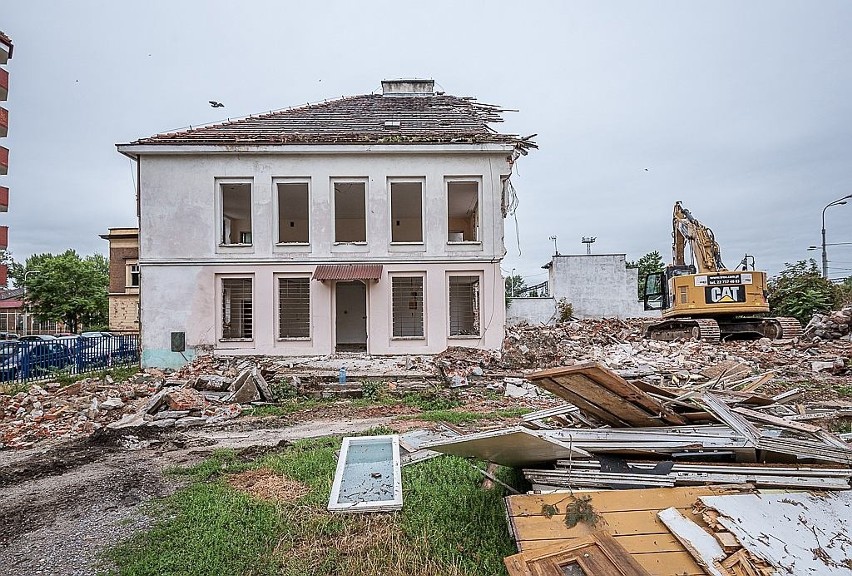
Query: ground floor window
{"points": [[294, 308], [407, 295], [464, 305], [236, 309]]}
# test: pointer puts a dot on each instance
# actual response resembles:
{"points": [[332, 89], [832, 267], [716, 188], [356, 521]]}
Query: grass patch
{"points": [[462, 417], [284, 407], [449, 525], [431, 402], [203, 530], [844, 391]]}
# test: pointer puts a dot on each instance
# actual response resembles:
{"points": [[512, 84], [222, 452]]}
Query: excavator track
{"points": [[786, 327], [684, 329]]}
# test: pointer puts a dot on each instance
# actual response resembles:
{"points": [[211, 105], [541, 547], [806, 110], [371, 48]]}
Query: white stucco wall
{"points": [[181, 259], [597, 285], [541, 310]]}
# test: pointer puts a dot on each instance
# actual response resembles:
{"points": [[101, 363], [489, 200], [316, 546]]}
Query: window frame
{"points": [[129, 265], [277, 287], [333, 181], [220, 300], [276, 232], [479, 275], [423, 305], [403, 180], [220, 215], [478, 230]]}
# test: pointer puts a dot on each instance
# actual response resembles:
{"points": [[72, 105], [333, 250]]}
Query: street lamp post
{"points": [[837, 202], [26, 315]]}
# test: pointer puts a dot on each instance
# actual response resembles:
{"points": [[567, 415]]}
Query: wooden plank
{"points": [[775, 420], [619, 500], [703, 547], [624, 406], [616, 523], [595, 383], [634, 543]]}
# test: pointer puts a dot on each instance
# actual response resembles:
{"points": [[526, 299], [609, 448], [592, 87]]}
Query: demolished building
{"points": [[370, 223]]}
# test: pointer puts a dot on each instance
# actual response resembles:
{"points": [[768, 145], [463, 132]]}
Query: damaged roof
{"points": [[432, 118], [7, 41]]}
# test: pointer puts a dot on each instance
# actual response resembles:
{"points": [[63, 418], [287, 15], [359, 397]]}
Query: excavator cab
{"points": [[656, 294]]}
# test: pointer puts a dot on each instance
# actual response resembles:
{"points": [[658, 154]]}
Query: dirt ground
{"points": [[62, 504]]}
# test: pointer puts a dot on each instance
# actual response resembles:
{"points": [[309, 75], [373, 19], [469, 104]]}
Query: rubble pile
{"points": [[49, 410], [831, 326], [618, 344]]}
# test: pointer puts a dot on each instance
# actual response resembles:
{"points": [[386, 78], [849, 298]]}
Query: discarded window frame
{"points": [[293, 213], [237, 312], [464, 305], [368, 476], [406, 212], [294, 308], [235, 198], [350, 212], [407, 296], [462, 211]]}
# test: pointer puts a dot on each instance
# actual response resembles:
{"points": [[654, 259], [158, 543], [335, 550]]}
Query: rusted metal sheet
{"points": [[325, 272]]}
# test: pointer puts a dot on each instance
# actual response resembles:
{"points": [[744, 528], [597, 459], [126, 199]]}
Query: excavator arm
{"points": [[686, 229]]}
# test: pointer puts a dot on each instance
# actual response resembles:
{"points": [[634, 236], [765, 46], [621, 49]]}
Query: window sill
{"points": [[302, 339], [288, 244], [236, 339], [350, 243], [235, 245], [463, 242], [464, 337], [406, 243], [408, 338]]}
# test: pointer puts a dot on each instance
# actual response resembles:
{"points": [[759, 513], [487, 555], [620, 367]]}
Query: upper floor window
{"points": [[235, 200], [463, 211], [293, 212], [406, 200], [350, 212], [132, 279]]}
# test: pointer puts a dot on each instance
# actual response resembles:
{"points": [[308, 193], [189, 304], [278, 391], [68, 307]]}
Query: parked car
{"points": [[37, 338], [101, 349], [27, 359], [8, 336]]}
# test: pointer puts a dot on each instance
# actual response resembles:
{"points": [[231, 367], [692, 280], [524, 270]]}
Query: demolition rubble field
{"points": [[77, 459]]}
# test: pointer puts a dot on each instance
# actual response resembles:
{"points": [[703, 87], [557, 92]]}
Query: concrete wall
{"points": [[540, 310], [597, 285], [182, 261]]}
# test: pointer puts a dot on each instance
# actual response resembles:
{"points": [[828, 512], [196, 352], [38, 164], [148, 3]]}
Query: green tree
{"points": [[68, 288], [648, 264], [514, 284], [800, 291]]}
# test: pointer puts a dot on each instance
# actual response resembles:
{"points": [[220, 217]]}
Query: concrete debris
{"points": [[831, 326]]}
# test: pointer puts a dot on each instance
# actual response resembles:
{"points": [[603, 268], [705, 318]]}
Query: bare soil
{"points": [[63, 504]]}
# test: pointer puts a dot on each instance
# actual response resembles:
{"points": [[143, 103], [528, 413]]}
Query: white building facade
{"points": [[372, 223]]}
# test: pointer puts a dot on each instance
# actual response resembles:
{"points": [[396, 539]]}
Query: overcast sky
{"points": [[742, 110]]}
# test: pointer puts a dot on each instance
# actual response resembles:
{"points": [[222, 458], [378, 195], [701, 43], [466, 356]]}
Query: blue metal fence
{"points": [[40, 357]]}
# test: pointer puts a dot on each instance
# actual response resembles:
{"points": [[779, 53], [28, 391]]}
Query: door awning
{"points": [[325, 272]]}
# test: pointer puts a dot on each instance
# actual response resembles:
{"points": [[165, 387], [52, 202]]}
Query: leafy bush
{"points": [[564, 310], [800, 291]]}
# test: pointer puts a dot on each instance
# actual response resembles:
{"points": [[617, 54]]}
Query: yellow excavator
{"points": [[705, 300]]}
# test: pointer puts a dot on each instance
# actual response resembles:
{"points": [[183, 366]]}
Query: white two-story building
{"points": [[372, 223]]}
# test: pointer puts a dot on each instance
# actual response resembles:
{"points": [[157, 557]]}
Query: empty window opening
{"points": [[293, 222], [133, 275], [294, 308], [236, 214], [464, 306], [407, 292], [406, 211], [463, 211], [350, 215], [236, 308]]}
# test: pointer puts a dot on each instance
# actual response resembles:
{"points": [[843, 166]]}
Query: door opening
{"points": [[351, 316]]}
